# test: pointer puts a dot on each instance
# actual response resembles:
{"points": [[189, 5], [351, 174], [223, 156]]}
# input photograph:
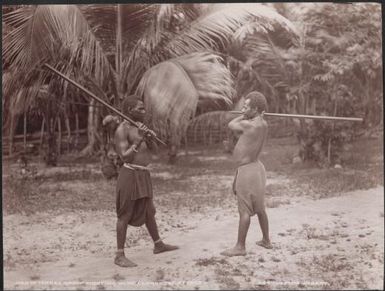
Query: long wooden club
{"points": [[99, 100], [319, 117]]}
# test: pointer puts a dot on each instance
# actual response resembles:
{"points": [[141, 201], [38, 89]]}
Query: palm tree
{"points": [[65, 36], [174, 89], [77, 39]]}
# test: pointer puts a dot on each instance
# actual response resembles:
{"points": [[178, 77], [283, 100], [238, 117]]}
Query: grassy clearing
{"points": [[363, 169], [332, 270], [200, 180]]}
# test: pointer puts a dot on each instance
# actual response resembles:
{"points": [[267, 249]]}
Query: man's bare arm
{"points": [[239, 124], [152, 145], [123, 147]]}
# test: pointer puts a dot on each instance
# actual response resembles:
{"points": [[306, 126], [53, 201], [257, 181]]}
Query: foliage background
{"points": [[307, 58]]}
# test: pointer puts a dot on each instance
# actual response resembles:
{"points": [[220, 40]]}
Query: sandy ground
{"points": [[318, 244]]}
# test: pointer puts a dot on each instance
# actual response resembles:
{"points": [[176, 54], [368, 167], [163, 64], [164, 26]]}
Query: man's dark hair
{"points": [[129, 102], [257, 101]]}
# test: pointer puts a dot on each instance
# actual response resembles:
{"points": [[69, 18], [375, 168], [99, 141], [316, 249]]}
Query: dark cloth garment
{"points": [[134, 196], [249, 187]]}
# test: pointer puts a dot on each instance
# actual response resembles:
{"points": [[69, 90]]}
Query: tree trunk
{"points": [[330, 139], [68, 127], [14, 120], [277, 105], [373, 110], [59, 137], [51, 154], [92, 127], [76, 130], [220, 128], [185, 144], [42, 134], [25, 132], [118, 54]]}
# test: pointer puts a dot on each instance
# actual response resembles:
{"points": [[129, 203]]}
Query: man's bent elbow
{"points": [[233, 126]]}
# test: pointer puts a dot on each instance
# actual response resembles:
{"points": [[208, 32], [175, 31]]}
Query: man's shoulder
{"points": [[260, 123], [264, 123], [120, 128], [124, 129], [257, 126]]}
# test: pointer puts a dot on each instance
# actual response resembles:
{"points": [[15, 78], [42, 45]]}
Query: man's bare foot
{"points": [[122, 261], [265, 244], [235, 251], [161, 247]]}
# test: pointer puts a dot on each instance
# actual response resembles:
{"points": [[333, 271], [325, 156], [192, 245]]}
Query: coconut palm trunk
{"points": [[51, 152]]}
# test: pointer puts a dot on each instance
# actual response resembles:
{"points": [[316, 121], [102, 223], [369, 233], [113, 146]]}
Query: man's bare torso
{"points": [[250, 142], [128, 135]]}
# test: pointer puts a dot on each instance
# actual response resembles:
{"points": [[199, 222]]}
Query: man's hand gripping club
{"points": [[145, 132]]}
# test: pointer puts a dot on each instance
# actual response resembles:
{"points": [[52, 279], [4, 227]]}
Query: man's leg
{"points": [[240, 247], [159, 245], [152, 227], [264, 224], [121, 232]]}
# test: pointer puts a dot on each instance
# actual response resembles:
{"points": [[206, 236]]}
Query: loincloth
{"points": [[134, 196], [249, 187]]}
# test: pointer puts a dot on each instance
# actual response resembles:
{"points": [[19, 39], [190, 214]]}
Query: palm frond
{"points": [[170, 98], [212, 31], [215, 28], [259, 64], [135, 19], [152, 37], [165, 12], [40, 31], [212, 80], [21, 101], [57, 34], [171, 91]]}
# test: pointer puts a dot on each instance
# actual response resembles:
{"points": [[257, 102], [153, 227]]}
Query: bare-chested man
{"points": [[134, 203], [250, 180]]}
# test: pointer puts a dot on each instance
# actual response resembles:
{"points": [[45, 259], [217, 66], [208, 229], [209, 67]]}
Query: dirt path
{"points": [[330, 243]]}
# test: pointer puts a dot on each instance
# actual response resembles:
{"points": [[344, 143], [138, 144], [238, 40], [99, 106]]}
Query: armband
{"points": [[133, 147], [137, 144]]}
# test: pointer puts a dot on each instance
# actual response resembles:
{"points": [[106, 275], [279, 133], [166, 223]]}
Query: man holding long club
{"points": [[250, 179], [134, 204]]}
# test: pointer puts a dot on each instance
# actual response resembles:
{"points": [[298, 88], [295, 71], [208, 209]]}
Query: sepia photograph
{"points": [[192, 146]]}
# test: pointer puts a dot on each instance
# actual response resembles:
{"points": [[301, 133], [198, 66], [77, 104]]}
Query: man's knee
{"points": [[244, 216], [261, 212], [122, 221]]}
